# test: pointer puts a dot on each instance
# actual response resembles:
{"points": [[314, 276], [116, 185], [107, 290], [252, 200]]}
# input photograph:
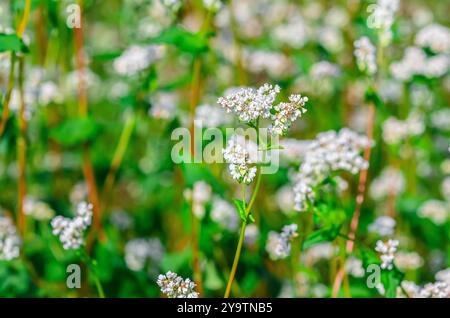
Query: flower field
{"points": [[224, 148]]}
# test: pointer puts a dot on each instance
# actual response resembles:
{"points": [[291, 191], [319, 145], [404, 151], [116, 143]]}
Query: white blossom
{"points": [[71, 231], [434, 36], [38, 210], [383, 226], [241, 159], [142, 251], [174, 286], [136, 58], [224, 214], [365, 54], [278, 245], [390, 182], [435, 210], [10, 241], [387, 251]]}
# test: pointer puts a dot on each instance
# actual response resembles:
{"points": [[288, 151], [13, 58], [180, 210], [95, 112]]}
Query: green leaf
{"points": [[212, 277], [240, 207], [75, 131], [391, 279], [184, 40], [11, 42], [325, 234]]}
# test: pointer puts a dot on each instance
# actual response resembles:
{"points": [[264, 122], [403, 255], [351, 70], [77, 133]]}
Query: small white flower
{"points": [[279, 244], [174, 286], [9, 240], [387, 251], [71, 231], [365, 54]]}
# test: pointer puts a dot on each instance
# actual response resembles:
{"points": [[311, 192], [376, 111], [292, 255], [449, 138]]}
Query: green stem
{"points": [[242, 235]]}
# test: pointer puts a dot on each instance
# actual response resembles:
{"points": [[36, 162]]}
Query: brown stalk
{"points": [[362, 183]]}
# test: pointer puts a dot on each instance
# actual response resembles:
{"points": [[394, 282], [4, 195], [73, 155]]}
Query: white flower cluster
{"points": [[437, 289], [251, 234], [390, 182], [382, 18], [365, 54], [136, 58], [164, 105], [287, 113], [435, 210], [440, 119], [38, 210], [241, 156], [387, 251], [330, 151], [249, 103], [140, 252], [395, 130], [198, 196], [434, 36], [210, 116], [383, 226], [354, 267], [9, 240], [275, 64], [174, 286], [279, 244], [284, 198], [324, 69], [295, 33], [416, 62], [408, 260], [322, 251], [224, 214], [71, 231]]}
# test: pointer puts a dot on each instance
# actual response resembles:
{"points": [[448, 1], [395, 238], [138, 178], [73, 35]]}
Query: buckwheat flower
{"points": [[323, 69], [445, 188], [249, 103], [440, 119], [387, 251], [38, 210], [143, 252], [434, 36], [78, 193], [435, 290], [294, 150], [395, 130], [322, 251], [251, 234], [295, 33], [275, 64], [49, 93], [199, 196], [382, 18], [383, 226], [354, 267], [435, 210], [174, 286], [329, 152], [284, 198], [410, 288], [278, 245], [224, 214], [210, 116], [443, 276], [122, 220], [164, 106], [136, 58], [390, 182], [71, 231], [241, 160], [365, 54], [9, 240], [408, 260], [287, 113]]}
